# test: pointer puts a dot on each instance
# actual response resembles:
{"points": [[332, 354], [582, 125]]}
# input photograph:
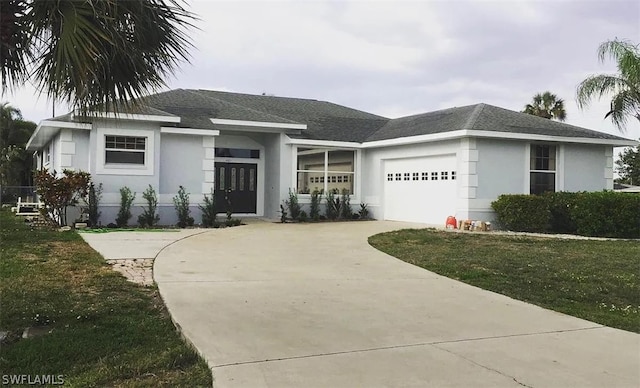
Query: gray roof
{"points": [[329, 121], [482, 117]]}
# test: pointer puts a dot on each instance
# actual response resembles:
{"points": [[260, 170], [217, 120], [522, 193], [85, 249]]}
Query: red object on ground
{"points": [[451, 223]]}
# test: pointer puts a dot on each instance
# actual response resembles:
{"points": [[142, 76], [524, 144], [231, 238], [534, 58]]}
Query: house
{"points": [[419, 168]]}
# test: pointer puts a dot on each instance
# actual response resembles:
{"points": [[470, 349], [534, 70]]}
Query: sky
{"points": [[397, 58]]}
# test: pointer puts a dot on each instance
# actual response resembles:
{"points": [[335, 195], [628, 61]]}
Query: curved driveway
{"points": [[313, 305]]}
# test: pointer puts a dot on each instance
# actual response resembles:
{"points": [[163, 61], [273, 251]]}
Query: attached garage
{"points": [[420, 189]]}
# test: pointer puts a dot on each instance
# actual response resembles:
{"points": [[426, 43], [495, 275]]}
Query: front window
{"points": [[125, 150], [542, 175], [322, 170]]}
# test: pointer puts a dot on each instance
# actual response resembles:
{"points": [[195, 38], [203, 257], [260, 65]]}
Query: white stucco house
{"points": [[419, 168]]}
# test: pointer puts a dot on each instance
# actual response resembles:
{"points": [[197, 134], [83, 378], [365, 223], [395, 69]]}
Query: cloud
{"points": [[404, 57]]}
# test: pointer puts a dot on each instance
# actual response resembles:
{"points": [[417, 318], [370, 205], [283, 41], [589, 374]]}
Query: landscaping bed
{"points": [[594, 280], [93, 327]]}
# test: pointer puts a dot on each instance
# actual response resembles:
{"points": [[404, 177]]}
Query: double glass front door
{"points": [[236, 186]]}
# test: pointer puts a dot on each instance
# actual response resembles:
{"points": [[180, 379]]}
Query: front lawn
{"points": [[96, 328], [594, 280]]}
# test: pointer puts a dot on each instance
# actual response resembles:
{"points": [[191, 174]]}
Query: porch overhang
{"points": [[47, 129]]}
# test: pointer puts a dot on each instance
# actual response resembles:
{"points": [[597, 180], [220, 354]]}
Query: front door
{"points": [[236, 186]]}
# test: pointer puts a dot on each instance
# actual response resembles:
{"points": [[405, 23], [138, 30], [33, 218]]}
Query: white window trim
{"points": [[559, 180], [125, 169], [355, 173]]}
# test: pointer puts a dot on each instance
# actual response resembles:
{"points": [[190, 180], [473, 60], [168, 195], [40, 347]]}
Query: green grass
{"points": [[593, 280], [104, 330]]}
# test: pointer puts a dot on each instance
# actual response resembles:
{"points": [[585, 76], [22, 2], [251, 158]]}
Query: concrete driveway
{"points": [[313, 305]]}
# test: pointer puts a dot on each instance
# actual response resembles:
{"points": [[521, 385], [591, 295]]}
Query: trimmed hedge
{"points": [[602, 214]]}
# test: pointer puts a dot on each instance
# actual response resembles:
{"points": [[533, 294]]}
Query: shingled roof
{"points": [[329, 121], [482, 117]]}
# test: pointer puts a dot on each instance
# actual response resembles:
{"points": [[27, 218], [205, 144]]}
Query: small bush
{"points": [[345, 206], [124, 213], [93, 202], [181, 203], [283, 214], [522, 213], [209, 211], [363, 212], [302, 217], [293, 205], [332, 210], [314, 208], [149, 218]]}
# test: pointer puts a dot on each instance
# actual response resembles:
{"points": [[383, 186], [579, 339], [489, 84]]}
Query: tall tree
{"points": [[624, 87], [547, 105], [628, 166], [93, 53], [15, 161]]}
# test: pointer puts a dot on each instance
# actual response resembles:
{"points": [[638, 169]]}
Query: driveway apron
{"points": [[313, 305]]}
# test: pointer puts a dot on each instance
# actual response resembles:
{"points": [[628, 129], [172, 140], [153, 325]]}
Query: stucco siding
{"points": [[273, 148], [81, 140], [181, 164], [584, 167], [501, 168], [113, 182]]}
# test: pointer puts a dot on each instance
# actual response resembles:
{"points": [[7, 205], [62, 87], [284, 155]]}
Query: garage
{"points": [[420, 189]]}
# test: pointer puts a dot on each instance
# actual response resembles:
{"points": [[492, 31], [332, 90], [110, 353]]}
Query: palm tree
{"points": [[547, 105], [93, 54], [623, 86]]}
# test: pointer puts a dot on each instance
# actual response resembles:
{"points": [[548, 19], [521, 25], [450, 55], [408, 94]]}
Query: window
{"points": [[414, 176], [425, 176], [332, 169], [542, 175], [406, 176], [453, 175], [434, 176], [389, 177], [398, 176], [444, 175], [124, 149], [237, 153]]}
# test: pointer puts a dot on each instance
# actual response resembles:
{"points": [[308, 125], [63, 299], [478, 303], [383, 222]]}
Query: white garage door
{"points": [[420, 189]]}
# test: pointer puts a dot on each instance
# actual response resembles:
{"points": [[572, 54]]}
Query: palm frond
{"points": [[104, 54]]}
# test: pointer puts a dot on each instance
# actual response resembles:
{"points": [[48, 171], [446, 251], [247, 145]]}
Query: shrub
{"points": [[522, 213], [363, 212], [314, 209], [283, 214], [560, 206], [332, 210], [181, 203], [58, 193], [603, 214], [302, 217], [293, 205], [209, 211], [124, 213], [149, 218], [608, 214], [345, 206], [93, 202]]}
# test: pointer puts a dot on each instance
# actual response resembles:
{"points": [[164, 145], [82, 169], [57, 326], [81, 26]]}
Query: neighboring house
{"points": [[419, 168]]}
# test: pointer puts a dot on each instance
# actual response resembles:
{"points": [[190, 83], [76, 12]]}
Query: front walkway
{"points": [[313, 305], [132, 252]]}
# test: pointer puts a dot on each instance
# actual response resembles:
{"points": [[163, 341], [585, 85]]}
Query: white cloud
{"points": [[402, 57]]}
